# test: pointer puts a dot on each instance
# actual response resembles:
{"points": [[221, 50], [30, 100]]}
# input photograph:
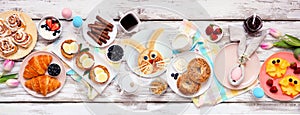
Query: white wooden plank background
{"points": [[280, 14]]}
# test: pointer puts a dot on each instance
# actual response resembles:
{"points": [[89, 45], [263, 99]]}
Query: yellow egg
{"points": [[87, 63], [98, 70], [102, 77], [83, 57]]}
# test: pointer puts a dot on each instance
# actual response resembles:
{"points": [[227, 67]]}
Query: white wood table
{"points": [[281, 14]]}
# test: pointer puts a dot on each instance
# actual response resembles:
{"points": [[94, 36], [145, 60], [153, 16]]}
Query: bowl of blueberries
{"points": [[115, 53]]}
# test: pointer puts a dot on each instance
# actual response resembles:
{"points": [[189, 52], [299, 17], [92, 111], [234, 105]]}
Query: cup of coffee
{"points": [[127, 84], [253, 23], [129, 22]]}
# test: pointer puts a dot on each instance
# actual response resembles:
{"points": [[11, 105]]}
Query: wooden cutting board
{"points": [[30, 29]]}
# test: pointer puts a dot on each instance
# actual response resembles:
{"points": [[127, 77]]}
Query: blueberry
{"points": [[176, 74], [54, 34], [172, 74], [175, 77], [54, 69]]}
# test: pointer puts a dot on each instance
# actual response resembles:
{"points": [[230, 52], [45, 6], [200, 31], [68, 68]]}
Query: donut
{"points": [[186, 86], [198, 70]]}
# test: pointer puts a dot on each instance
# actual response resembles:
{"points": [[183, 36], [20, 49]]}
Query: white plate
{"points": [[99, 60], [188, 56], [162, 45], [61, 77], [91, 19]]}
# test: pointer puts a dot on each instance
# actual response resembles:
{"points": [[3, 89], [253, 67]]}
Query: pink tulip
{"points": [[275, 33], [266, 46], [8, 65], [12, 83]]}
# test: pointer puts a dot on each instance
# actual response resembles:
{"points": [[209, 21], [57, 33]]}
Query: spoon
{"points": [[254, 16], [236, 75]]}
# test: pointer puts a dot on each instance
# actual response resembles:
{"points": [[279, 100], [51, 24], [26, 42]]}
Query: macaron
{"points": [[66, 13], [258, 92], [77, 21]]}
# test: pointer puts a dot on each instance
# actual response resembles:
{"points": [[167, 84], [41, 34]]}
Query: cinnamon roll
{"points": [[4, 30], [14, 22], [21, 38], [7, 47]]}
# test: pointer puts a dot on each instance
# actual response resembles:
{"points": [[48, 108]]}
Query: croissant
{"points": [[43, 84], [39, 63], [29, 72]]}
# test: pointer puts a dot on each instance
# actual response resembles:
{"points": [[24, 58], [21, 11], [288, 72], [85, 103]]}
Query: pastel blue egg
{"points": [[77, 21], [258, 92]]}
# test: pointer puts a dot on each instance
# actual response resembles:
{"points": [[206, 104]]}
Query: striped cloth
{"points": [[216, 93]]}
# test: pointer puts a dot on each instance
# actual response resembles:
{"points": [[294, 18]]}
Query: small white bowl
{"points": [[106, 52], [134, 28], [163, 82], [181, 42], [220, 36], [46, 34]]}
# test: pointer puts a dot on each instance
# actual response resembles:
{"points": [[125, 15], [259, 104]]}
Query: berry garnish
{"points": [[273, 89], [297, 70], [54, 69], [49, 22], [217, 31], [209, 30], [174, 75], [55, 27], [270, 82], [213, 37], [293, 65]]}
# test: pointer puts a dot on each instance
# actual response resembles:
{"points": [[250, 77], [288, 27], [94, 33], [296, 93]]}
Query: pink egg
{"points": [[66, 13]]}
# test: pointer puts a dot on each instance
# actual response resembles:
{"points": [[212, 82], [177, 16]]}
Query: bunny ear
{"points": [[154, 37], [139, 47]]}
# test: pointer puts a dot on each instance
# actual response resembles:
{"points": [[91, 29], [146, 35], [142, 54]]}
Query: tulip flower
{"points": [[12, 83], [266, 46], [275, 33], [8, 65]]}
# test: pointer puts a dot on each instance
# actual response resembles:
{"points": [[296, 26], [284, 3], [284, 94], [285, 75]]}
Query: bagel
{"points": [[186, 86], [198, 70]]}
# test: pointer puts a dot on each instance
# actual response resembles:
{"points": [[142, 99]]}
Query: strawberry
{"points": [[49, 22], [293, 65], [209, 30], [270, 82], [213, 37], [297, 70], [55, 27], [273, 89], [218, 31]]}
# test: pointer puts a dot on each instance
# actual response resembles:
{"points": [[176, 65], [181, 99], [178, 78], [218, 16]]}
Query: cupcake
{"points": [[69, 48], [85, 60], [99, 74]]}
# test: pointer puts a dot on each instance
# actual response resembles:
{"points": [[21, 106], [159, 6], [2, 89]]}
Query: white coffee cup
{"points": [[182, 42], [132, 21], [127, 84]]}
